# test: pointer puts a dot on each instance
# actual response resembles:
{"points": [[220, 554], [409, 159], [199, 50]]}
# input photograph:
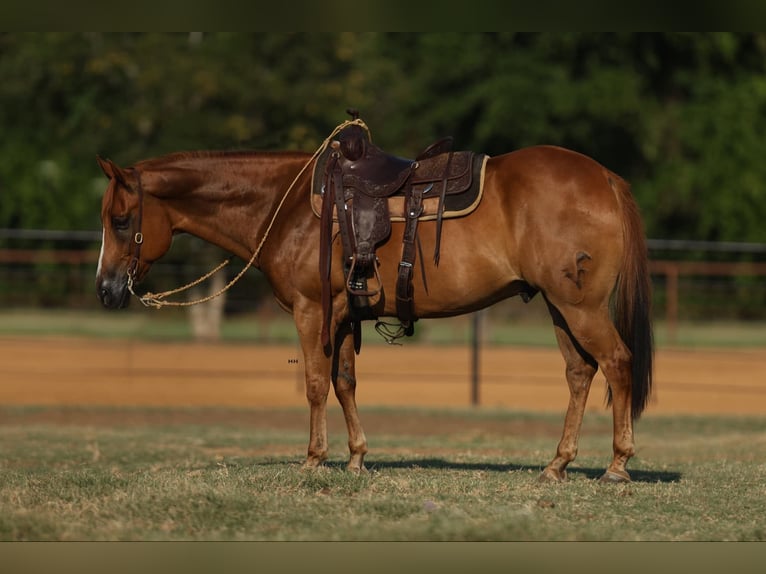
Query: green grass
{"points": [[472, 476], [145, 324], [148, 324]]}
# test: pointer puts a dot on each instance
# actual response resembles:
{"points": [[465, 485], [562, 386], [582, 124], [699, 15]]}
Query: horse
{"points": [[550, 221]]}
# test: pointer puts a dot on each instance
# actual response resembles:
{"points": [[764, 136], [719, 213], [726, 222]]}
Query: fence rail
{"points": [[62, 264], [673, 270], [685, 273], [33, 256]]}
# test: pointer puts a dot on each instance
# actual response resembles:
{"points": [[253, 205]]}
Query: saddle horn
{"points": [[353, 143]]}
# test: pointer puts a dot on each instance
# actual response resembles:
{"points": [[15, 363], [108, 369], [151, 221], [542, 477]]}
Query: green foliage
{"points": [[681, 116], [67, 97]]}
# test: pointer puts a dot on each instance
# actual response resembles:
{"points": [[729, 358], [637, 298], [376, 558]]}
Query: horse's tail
{"points": [[631, 300]]}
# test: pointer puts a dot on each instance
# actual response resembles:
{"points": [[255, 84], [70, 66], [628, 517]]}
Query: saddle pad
{"points": [[455, 205]]}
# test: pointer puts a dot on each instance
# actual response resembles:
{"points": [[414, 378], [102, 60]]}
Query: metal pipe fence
{"points": [[692, 281]]}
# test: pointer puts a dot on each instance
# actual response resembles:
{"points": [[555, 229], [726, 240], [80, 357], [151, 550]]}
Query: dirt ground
{"points": [[58, 372]]}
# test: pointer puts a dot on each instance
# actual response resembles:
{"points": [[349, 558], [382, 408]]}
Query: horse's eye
{"points": [[121, 222]]}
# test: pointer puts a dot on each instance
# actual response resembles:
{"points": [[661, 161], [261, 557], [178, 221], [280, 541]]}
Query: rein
{"points": [[159, 300]]}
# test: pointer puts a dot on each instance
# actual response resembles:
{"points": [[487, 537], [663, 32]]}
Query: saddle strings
{"points": [[391, 331], [159, 300]]}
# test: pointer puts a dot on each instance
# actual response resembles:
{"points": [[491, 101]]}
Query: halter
{"points": [[138, 237]]}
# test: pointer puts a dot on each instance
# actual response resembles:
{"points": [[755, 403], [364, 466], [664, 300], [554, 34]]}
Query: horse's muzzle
{"points": [[113, 294]]}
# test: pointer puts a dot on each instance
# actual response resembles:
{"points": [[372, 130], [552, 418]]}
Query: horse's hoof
{"points": [[311, 464], [615, 477], [551, 475], [356, 463]]}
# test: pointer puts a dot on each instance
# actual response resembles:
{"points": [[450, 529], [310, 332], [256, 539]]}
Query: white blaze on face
{"points": [[101, 255]]}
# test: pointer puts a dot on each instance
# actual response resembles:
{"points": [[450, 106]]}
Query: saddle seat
{"points": [[375, 173], [370, 170]]}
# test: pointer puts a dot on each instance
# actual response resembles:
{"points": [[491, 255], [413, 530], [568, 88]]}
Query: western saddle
{"points": [[359, 184]]}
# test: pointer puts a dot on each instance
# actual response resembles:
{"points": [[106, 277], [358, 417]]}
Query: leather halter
{"points": [[138, 237]]}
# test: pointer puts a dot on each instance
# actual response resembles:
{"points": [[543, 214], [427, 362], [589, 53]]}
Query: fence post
{"points": [[475, 351], [671, 274]]}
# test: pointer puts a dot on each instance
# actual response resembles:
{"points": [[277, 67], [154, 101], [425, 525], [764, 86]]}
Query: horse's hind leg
{"points": [[580, 370], [594, 331], [344, 381]]}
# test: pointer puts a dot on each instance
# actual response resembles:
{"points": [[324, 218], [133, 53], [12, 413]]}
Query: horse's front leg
{"points": [[344, 381], [308, 320]]}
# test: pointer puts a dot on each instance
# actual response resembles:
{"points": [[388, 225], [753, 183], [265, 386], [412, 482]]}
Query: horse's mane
{"points": [[182, 156]]}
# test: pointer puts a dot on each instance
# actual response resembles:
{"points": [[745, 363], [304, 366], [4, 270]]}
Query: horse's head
{"points": [[136, 232]]}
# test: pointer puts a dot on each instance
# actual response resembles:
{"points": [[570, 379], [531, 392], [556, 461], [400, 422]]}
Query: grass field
{"points": [[76, 463], [116, 473]]}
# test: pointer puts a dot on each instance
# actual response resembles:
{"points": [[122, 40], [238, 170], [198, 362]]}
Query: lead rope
{"points": [[158, 300]]}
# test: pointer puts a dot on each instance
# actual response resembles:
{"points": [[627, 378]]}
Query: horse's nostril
{"points": [[104, 296]]}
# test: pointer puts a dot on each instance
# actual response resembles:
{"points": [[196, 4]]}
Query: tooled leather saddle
{"points": [[364, 189]]}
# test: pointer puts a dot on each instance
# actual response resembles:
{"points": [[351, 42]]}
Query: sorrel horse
{"points": [[551, 221]]}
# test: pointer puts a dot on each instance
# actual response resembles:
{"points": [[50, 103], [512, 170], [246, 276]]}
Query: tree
{"points": [[66, 97], [681, 116]]}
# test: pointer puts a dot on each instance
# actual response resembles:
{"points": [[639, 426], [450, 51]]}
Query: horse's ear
{"points": [[106, 166], [111, 169]]}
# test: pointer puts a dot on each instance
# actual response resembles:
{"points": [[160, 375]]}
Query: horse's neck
{"points": [[225, 199]]}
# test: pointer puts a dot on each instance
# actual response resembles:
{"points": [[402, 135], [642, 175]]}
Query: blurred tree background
{"points": [[682, 116]]}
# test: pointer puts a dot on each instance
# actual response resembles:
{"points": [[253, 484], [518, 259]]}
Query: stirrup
{"points": [[363, 292]]}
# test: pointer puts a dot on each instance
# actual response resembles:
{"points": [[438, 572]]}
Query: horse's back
{"points": [[550, 180], [554, 169]]}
